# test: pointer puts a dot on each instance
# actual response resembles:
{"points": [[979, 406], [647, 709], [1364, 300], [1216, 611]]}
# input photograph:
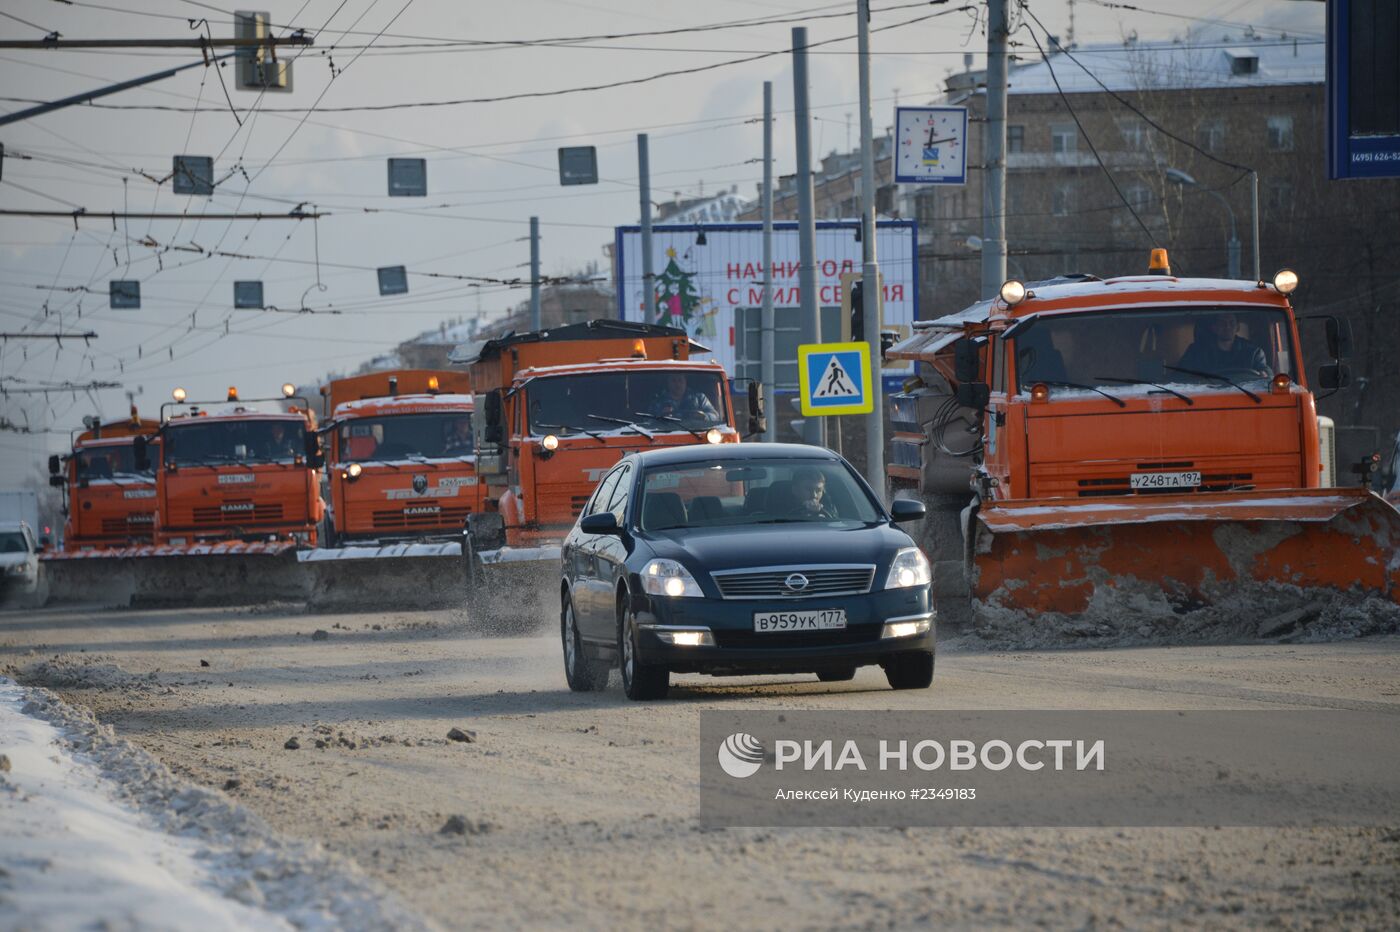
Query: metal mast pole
{"points": [[644, 185], [535, 323], [766, 316], [812, 427], [870, 267], [994, 153], [1254, 204]]}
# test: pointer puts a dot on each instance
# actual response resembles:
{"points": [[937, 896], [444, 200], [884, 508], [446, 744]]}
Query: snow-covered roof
{"points": [[1203, 60], [404, 404]]}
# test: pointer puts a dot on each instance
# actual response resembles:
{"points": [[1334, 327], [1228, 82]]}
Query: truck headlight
{"points": [[909, 568], [713, 435], [353, 471], [669, 578]]}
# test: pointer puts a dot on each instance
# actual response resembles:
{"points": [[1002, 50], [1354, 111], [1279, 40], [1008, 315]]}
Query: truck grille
{"points": [[237, 513], [404, 519], [137, 523], [770, 582], [863, 634]]}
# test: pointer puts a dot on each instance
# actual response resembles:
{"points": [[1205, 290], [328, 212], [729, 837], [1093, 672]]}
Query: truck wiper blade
{"points": [[1090, 388], [693, 431], [1218, 378], [582, 430], [632, 424], [1170, 391]]}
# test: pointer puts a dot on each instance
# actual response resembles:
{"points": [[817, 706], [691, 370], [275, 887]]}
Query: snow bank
{"points": [[97, 833]]}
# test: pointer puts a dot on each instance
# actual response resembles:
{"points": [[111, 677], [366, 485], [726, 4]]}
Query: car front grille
{"points": [[770, 582], [862, 634]]}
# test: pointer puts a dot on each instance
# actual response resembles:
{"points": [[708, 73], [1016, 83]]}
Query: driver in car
{"points": [[809, 487], [1222, 350], [676, 401]]}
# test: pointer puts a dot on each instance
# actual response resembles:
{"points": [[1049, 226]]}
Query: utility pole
{"points": [[535, 323], [994, 153], [644, 185], [812, 427], [870, 266], [766, 316], [1254, 204]]}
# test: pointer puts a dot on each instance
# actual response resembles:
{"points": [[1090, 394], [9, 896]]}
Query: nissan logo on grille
{"points": [[796, 582]]}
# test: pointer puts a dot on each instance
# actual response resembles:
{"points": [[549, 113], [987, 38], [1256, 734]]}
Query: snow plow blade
{"points": [[226, 573], [402, 575], [1111, 556]]}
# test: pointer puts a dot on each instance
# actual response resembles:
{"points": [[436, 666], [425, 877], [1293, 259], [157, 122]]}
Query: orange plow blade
{"points": [[1183, 551]]}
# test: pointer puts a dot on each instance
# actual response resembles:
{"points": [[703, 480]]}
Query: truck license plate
{"points": [[1165, 480], [820, 620]]}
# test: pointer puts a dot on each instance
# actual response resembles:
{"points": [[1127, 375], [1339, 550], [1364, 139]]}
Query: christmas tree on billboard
{"points": [[677, 301]]}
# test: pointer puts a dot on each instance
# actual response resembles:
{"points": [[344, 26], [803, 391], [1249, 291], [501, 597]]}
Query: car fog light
{"points": [[713, 435], [905, 629], [699, 637]]}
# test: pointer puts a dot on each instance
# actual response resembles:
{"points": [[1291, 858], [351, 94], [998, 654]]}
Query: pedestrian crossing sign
{"points": [[834, 378]]}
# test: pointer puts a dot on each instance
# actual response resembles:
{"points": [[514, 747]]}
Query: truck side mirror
{"points": [[1338, 337], [314, 457], [973, 394], [141, 453], [758, 418], [55, 464], [967, 362], [491, 405], [1334, 376], [56, 481], [44, 543]]}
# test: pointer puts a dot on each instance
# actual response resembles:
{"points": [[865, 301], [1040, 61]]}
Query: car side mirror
{"points": [[604, 522], [141, 453], [973, 394], [1334, 376], [906, 509], [55, 464]]}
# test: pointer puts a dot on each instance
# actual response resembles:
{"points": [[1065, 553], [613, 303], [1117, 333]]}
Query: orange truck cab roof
{"points": [[386, 385]]}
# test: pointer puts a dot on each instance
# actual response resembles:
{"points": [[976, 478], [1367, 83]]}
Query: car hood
{"points": [[799, 544], [8, 560]]}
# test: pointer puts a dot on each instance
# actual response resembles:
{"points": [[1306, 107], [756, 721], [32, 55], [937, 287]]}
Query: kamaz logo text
{"points": [[236, 507]]}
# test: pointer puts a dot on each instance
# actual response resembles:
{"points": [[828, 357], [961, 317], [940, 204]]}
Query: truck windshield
{"points": [[217, 442], [13, 542], [759, 491], [1187, 347], [106, 462], [657, 400], [399, 436]]}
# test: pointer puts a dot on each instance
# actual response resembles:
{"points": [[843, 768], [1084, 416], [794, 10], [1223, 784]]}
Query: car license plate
{"points": [[824, 619], [1165, 480]]}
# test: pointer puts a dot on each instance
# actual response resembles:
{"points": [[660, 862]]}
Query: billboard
{"points": [[1363, 89], [709, 282]]}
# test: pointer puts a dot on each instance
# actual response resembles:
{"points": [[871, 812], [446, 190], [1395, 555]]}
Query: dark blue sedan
{"points": [[742, 559]]}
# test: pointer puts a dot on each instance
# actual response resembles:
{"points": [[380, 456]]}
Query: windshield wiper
{"points": [[582, 430], [1218, 378], [632, 424], [1170, 391], [1113, 398], [694, 431]]}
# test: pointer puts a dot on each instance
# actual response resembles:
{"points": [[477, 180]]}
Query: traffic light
{"points": [[857, 312]]}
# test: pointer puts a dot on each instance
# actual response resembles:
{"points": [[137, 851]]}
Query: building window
{"points": [[1134, 135], [1015, 138], [1281, 133], [1280, 198], [1138, 195], [1062, 199], [1063, 137], [1211, 135], [1243, 63]]}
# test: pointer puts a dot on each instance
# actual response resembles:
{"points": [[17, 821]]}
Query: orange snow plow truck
{"points": [[555, 409], [400, 484], [236, 494], [107, 502], [1139, 447]]}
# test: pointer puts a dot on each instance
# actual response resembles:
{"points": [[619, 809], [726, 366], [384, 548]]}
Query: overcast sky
{"points": [[490, 165]]}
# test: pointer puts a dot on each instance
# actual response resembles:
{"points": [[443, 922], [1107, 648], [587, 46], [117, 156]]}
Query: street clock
{"points": [[930, 145]]}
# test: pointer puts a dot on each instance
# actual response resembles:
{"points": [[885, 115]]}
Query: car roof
{"points": [[730, 452]]}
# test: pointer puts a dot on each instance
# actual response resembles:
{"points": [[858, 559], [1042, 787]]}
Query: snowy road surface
{"points": [[580, 810]]}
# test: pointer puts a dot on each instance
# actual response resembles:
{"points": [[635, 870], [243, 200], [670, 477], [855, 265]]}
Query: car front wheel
{"points": [[911, 670], [640, 681], [583, 673]]}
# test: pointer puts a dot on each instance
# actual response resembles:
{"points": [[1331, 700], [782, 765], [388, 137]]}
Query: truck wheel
{"points": [[910, 670], [640, 681], [583, 673]]}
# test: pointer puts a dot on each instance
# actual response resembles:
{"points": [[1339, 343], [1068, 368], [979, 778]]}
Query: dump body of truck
{"points": [[556, 409], [109, 501], [1146, 436]]}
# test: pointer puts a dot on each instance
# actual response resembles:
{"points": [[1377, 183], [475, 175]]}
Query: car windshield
{"points": [[248, 441], [1172, 346], [106, 462], [12, 542], [655, 400], [402, 436], [759, 491]]}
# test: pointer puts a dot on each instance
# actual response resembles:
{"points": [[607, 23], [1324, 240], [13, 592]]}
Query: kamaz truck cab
{"points": [[108, 501]]}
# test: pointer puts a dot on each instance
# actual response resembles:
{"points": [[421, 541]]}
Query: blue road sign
{"points": [[834, 378]]}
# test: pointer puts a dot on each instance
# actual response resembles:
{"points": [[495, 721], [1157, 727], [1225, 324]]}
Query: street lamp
{"points": [[1177, 176]]}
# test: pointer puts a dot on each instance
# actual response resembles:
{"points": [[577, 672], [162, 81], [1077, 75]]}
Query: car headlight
{"points": [[909, 568], [667, 577], [16, 570]]}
